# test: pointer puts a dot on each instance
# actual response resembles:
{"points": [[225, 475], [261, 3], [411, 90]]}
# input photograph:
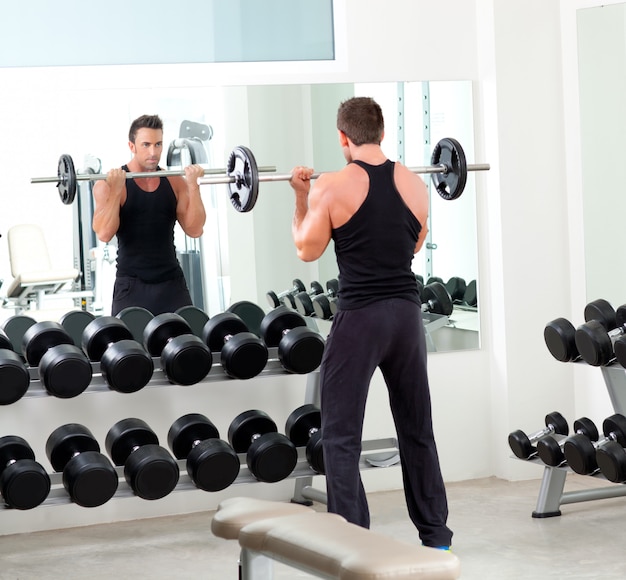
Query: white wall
{"points": [[511, 49]]}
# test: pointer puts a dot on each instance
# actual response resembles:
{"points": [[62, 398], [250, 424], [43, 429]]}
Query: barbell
{"points": [[242, 175]]}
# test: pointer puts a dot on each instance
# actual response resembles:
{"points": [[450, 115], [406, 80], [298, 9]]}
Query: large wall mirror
{"points": [[245, 255], [602, 90]]}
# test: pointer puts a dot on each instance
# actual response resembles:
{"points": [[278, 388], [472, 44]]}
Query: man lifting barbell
{"points": [[375, 211], [142, 213]]}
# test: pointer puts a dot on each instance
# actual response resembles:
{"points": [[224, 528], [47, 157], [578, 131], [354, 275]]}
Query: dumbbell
{"points": [[212, 463], [550, 450], [456, 287], [75, 322], [243, 355], [63, 367], [303, 427], [325, 305], [594, 341], [124, 363], [196, 318], [471, 294], [300, 349], [435, 299], [270, 455], [88, 476], [185, 358], [580, 452], [304, 304], [611, 460], [24, 483], [149, 469], [560, 335], [14, 376], [276, 300], [522, 444]]}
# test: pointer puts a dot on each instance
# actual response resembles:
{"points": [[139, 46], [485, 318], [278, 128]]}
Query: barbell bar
{"points": [[242, 175]]}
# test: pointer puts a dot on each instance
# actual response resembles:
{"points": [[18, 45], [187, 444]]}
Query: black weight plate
{"points": [[276, 322], [136, 318], [301, 350], [220, 328], [213, 465], [66, 441], [14, 377], [186, 359], [75, 323], [244, 356], [602, 311], [65, 371], [302, 423], [244, 191], [15, 327], [560, 338], [161, 329], [451, 183], [90, 479], [247, 425], [151, 472], [42, 336], [100, 333], [24, 484], [126, 366], [195, 317], [66, 185], [252, 314], [188, 430], [125, 435]]}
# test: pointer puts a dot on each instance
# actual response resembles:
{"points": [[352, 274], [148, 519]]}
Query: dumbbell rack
{"points": [[551, 495], [387, 448]]}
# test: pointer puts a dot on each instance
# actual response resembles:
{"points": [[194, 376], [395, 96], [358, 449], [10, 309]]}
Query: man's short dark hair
{"points": [[144, 122], [361, 119]]}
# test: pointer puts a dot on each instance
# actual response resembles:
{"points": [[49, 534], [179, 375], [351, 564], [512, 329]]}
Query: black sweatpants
{"points": [[167, 296], [388, 334]]}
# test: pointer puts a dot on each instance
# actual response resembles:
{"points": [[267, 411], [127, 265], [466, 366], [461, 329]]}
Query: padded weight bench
{"points": [[34, 277], [322, 544]]}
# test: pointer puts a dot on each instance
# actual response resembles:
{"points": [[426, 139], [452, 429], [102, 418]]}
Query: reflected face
{"points": [[147, 148]]}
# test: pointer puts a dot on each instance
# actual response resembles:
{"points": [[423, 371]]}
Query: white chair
{"points": [[34, 277]]}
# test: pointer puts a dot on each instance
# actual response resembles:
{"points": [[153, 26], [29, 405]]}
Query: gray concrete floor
{"points": [[495, 538]]}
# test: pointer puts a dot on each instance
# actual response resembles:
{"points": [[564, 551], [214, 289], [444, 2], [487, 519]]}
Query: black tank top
{"points": [[145, 238], [375, 246]]}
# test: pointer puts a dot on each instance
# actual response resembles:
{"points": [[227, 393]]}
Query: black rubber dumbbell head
{"points": [[185, 358], [456, 287], [303, 427], [550, 451], [124, 363], [594, 344], [14, 377], [149, 469], [560, 338], [88, 476], [75, 322], [243, 354], [24, 483], [270, 455], [196, 318], [300, 349], [14, 327], [5, 342], [135, 318], [212, 463], [602, 311], [252, 314]]}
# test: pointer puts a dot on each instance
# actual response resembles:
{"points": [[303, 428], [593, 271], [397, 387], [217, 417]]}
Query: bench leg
{"points": [[255, 566]]}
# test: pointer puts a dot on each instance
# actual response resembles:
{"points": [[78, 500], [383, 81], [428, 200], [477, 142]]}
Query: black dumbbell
{"points": [[88, 476], [243, 355], [135, 318], [149, 469], [580, 451], [185, 358], [64, 369], [212, 463], [75, 322], [304, 304], [550, 450], [124, 363], [14, 327], [276, 300], [303, 427], [456, 287], [325, 305], [471, 294], [594, 341], [611, 460], [560, 334], [24, 483], [270, 455], [523, 445], [14, 376], [435, 299], [300, 349], [196, 318]]}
